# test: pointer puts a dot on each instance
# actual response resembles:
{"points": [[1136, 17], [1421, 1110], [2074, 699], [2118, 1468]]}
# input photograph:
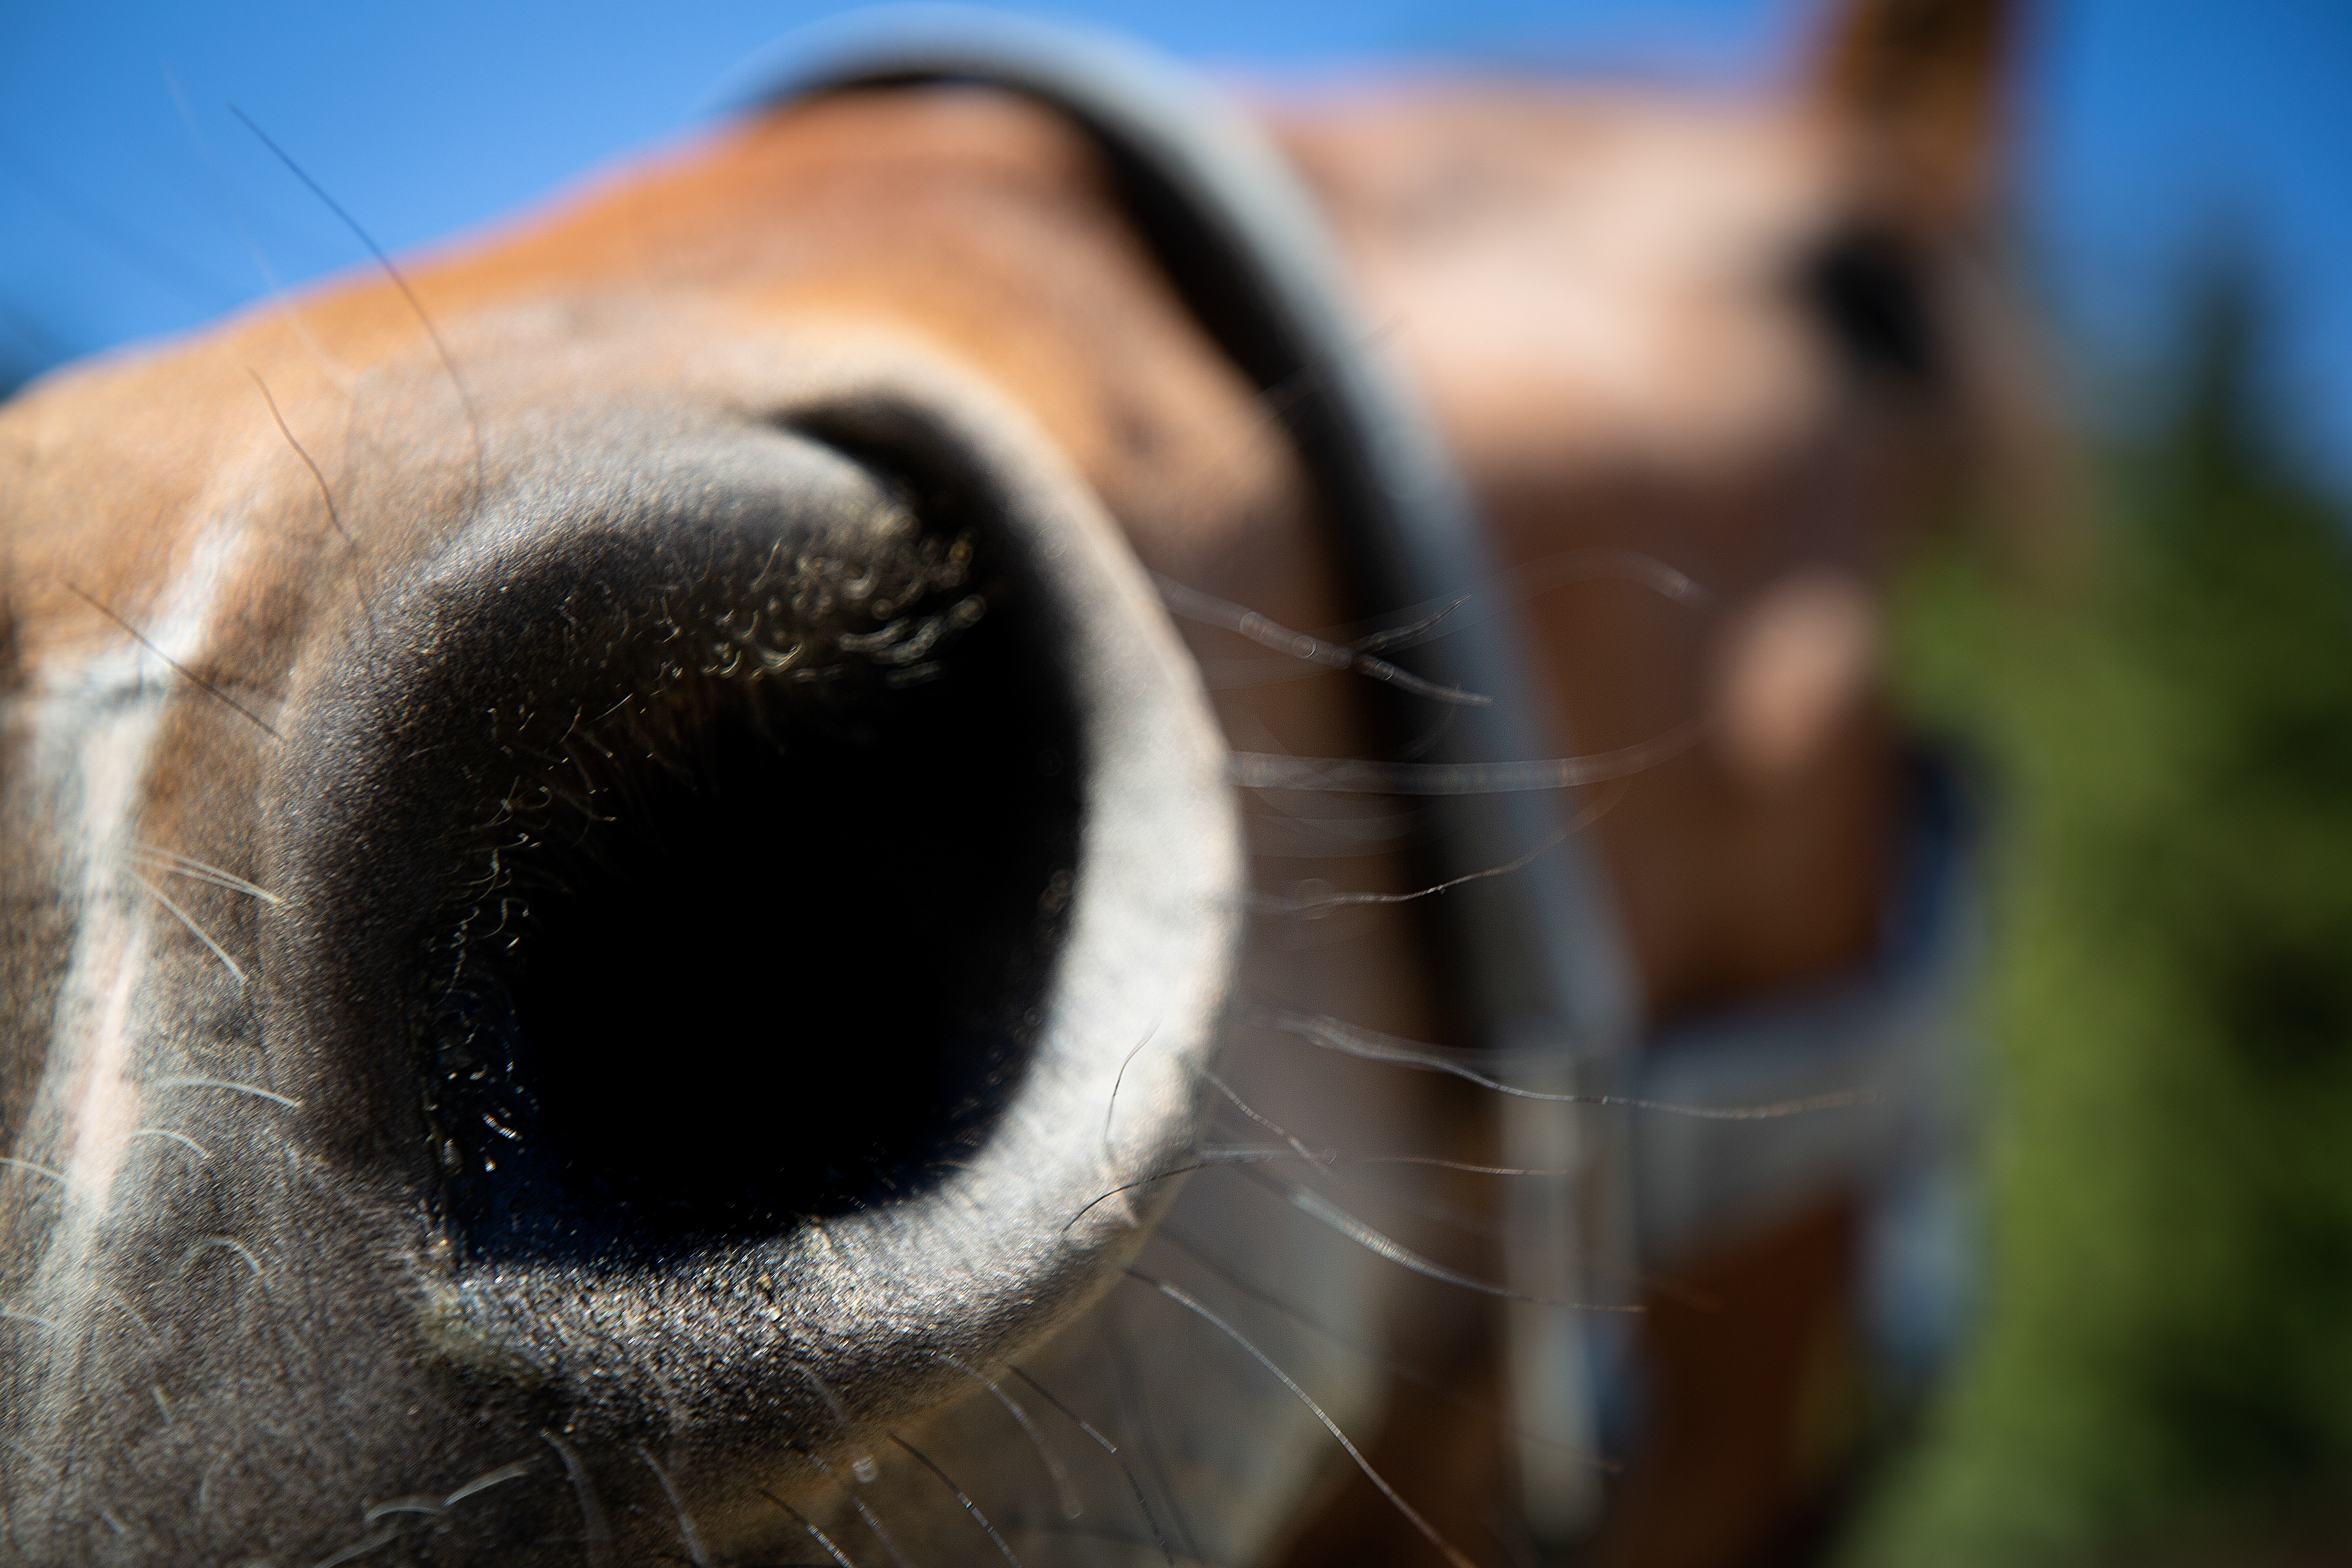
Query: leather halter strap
{"points": [[1241, 242], [1534, 964]]}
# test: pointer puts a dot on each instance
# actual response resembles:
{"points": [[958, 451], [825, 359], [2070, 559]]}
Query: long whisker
{"points": [[448, 363], [1234, 1157], [596, 1536], [1415, 1375], [1112, 1107], [1135, 1411], [14, 1163], [326, 494], [1066, 1491], [1305, 647], [202, 1152], [1209, 1159], [1356, 775], [687, 1533], [861, 1461], [230, 1084], [511, 1471], [840, 1558], [189, 920], [337, 373], [203, 871], [1370, 1044], [1429, 1531], [864, 1514], [1381, 1244], [1299, 1148], [1134, 1484], [143, 640], [1436, 618], [1267, 904], [962, 1497]]}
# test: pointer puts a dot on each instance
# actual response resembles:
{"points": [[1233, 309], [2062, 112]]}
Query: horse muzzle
{"points": [[712, 923]]}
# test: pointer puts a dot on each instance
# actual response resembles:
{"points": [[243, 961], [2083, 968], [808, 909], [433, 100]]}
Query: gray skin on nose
{"points": [[725, 864]]}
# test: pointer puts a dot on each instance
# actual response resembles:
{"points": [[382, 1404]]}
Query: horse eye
{"points": [[1862, 284]]}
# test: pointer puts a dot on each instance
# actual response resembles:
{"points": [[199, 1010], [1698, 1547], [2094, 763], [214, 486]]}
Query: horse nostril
{"points": [[763, 950], [735, 885], [742, 822]]}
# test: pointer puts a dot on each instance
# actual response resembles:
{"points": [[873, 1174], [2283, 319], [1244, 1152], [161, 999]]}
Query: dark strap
{"points": [[1536, 955]]}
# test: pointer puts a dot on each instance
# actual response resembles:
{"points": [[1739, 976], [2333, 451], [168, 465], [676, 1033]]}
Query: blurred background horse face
{"points": [[1761, 343], [1761, 340]]}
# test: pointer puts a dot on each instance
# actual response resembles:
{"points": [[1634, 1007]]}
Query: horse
{"points": [[468, 728]]}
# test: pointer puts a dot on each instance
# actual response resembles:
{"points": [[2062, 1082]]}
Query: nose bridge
{"points": [[138, 1020]]}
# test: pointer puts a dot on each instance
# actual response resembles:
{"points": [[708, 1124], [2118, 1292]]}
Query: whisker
{"points": [[1429, 1531], [686, 1531], [1107, 1447], [1299, 1148], [1109, 1108], [1135, 1411], [1263, 903], [202, 1152], [189, 920], [230, 1086], [512, 1470], [1431, 616], [1415, 1375], [1306, 648], [417, 1502], [840, 1558], [861, 1460], [1410, 633], [1208, 1159], [1237, 1157], [206, 687], [59, 1177], [1540, 576], [864, 1514], [1370, 1044], [1381, 1244], [448, 364], [202, 871], [1356, 775], [595, 1535], [11, 1315], [969, 1507], [326, 494], [337, 373], [1066, 1491]]}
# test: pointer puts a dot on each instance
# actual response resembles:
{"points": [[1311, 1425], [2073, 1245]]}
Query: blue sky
{"points": [[2152, 129]]}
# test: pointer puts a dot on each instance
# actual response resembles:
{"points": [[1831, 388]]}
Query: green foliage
{"points": [[2166, 1354]]}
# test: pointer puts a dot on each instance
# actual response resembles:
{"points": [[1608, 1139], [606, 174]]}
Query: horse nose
{"points": [[746, 840], [727, 881]]}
